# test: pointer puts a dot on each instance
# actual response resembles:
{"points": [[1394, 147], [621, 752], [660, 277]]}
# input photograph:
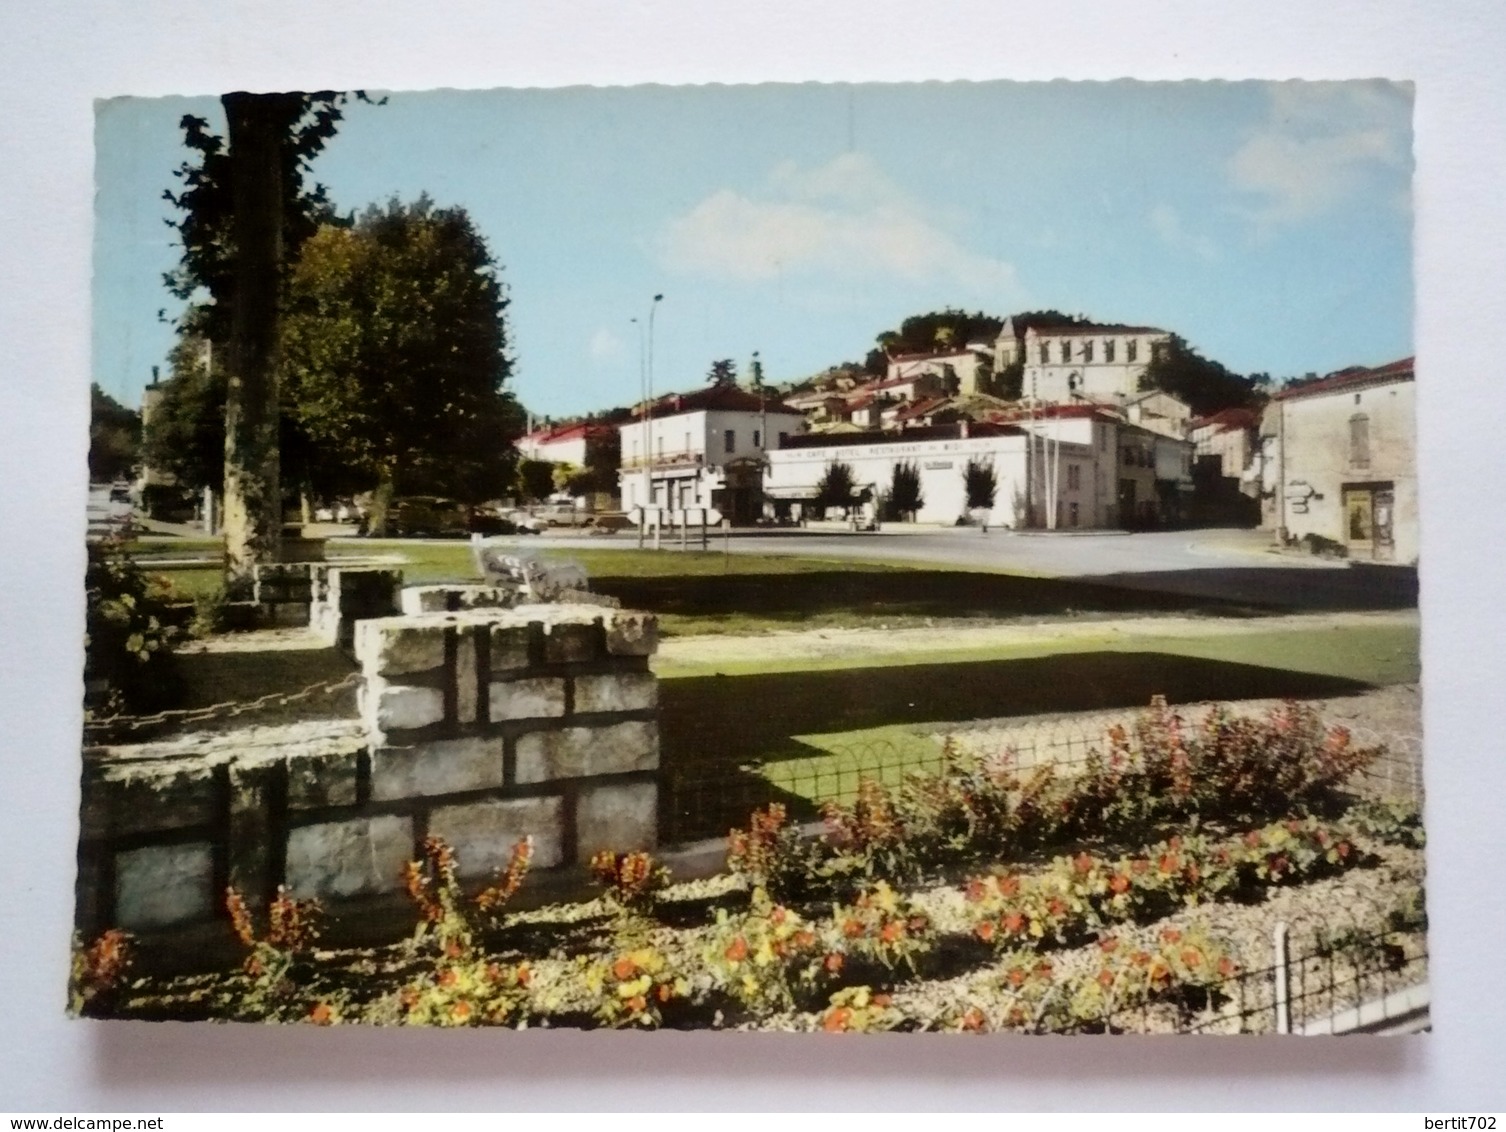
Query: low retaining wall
{"points": [[329, 599], [479, 726]]}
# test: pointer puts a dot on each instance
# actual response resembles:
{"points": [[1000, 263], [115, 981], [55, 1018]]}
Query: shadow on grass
{"points": [[949, 594], [717, 731], [870, 595]]}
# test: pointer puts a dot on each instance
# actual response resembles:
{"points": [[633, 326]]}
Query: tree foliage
{"points": [[395, 355], [1206, 386], [904, 498], [114, 436], [723, 373], [981, 484], [837, 486], [535, 479]]}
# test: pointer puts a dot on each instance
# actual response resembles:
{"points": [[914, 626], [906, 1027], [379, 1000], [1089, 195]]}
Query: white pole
{"points": [[1283, 980]]}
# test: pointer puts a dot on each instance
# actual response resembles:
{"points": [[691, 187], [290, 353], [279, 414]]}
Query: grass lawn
{"points": [[708, 592], [836, 722]]}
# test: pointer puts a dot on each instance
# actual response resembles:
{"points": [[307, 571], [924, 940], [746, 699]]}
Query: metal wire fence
{"points": [[704, 798]]}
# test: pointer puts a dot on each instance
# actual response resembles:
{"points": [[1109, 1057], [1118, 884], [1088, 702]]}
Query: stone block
{"points": [[580, 752], [348, 858], [252, 786], [570, 642], [540, 697], [399, 707], [509, 647], [162, 885], [441, 599], [483, 833], [631, 634], [322, 779], [398, 646], [619, 691], [445, 766], [467, 692], [147, 797], [618, 817]]}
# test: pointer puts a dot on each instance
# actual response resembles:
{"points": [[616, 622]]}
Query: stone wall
{"points": [[329, 599], [480, 726]]}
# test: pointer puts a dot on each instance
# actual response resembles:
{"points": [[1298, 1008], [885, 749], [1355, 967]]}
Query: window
{"points": [[1072, 514], [729, 441], [783, 436], [1131, 348], [1045, 353], [757, 439], [1074, 479], [1359, 441], [1067, 350], [1108, 349], [1087, 350]]}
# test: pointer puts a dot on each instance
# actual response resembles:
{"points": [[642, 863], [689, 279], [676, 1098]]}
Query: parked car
{"points": [[429, 515], [524, 523]]}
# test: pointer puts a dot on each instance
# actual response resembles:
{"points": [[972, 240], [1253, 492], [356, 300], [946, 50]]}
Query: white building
{"points": [[567, 443], [1338, 462], [704, 449], [1084, 362], [940, 455], [918, 375]]}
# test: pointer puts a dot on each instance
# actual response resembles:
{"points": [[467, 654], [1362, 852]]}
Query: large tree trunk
{"points": [[253, 494]]}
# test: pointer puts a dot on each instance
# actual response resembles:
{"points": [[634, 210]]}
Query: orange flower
{"points": [[1192, 957], [834, 962], [322, 1015], [737, 951], [1105, 978], [1342, 849], [1008, 885], [1225, 967], [1056, 907], [637, 1004], [883, 1000], [892, 931], [1171, 935], [460, 1011], [449, 977], [975, 891], [852, 929], [1119, 883], [452, 949], [836, 1019], [777, 915], [665, 992], [624, 969], [524, 974], [973, 1020], [804, 938], [1016, 976], [1107, 944], [1083, 863], [1014, 922], [985, 930]]}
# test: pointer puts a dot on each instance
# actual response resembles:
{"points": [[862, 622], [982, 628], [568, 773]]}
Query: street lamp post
{"points": [[648, 421]]}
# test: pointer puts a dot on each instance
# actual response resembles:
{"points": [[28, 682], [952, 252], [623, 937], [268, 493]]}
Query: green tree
{"points": [[723, 373], [1206, 386], [245, 210], [755, 373], [836, 487], [395, 354], [114, 437], [904, 497], [535, 479], [981, 484]]}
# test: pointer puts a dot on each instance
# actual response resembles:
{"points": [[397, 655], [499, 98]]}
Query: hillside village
{"points": [[1049, 423]]}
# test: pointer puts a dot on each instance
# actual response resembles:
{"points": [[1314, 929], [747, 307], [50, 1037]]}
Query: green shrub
{"points": [[128, 665]]}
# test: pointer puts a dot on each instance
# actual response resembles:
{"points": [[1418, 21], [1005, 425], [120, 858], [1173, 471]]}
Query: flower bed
{"points": [[1137, 895]]}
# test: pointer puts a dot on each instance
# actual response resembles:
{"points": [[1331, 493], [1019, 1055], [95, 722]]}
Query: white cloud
{"points": [[843, 219], [1168, 225], [1318, 144], [604, 346]]}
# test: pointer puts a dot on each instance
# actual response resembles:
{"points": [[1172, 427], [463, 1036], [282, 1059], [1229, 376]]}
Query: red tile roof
{"points": [[1354, 377], [1228, 420], [719, 398], [556, 433]]}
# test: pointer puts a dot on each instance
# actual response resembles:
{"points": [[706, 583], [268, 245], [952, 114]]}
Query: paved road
{"points": [[105, 515]]}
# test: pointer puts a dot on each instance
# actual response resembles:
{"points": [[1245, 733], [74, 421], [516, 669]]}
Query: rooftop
{"points": [[1354, 377], [718, 398]]}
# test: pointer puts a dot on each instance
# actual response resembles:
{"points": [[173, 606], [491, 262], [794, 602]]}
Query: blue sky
{"points": [[1269, 224]]}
